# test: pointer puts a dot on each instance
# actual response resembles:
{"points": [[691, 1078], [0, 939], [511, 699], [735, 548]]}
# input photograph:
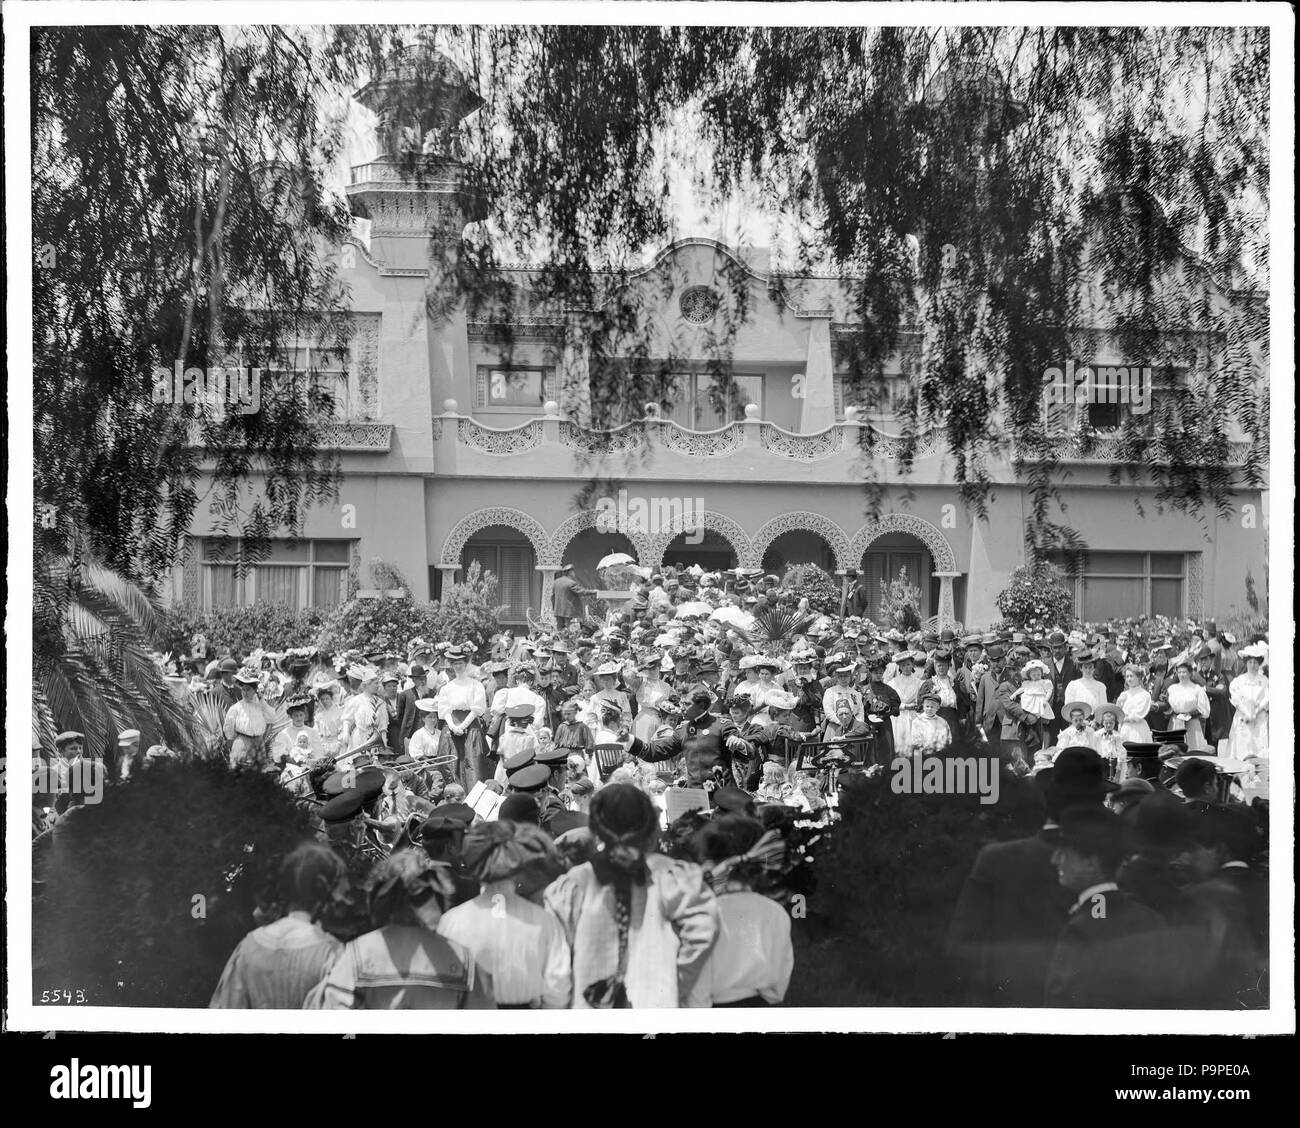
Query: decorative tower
{"points": [[414, 188]]}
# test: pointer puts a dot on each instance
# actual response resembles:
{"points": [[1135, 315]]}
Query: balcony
{"points": [[344, 436], [751, 450]]}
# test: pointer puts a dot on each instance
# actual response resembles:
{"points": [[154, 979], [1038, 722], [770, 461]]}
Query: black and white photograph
{"points": [[749, 517]]}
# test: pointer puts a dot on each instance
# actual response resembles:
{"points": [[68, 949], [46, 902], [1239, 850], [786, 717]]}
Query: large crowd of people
{"points": [[518, 796]]}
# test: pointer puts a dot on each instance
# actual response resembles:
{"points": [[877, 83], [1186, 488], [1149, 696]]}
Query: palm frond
{"points": [[776, 624]]}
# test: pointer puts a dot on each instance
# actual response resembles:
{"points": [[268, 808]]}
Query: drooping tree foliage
{"points": [[999, 200], [182, 217], [181, 221], [996, 200]]}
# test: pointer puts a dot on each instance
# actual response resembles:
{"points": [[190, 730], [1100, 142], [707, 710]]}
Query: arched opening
{"points": [[507, 554], [712, 553], [799, 546], [887, 556], [586, 550]]}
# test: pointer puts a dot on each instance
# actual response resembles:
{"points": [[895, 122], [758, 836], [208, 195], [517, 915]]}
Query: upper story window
{"points": [[697, 401], [297, 574], [314, 374], [1107, 397], [513, 388], [885, 397]]}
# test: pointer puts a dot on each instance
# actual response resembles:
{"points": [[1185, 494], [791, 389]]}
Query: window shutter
{"points": [[873, 567], [516, 579], [548, 385], [481, 389], [839, 397]]}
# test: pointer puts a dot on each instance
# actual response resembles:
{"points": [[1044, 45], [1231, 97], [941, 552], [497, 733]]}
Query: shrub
{"points": [[268, 626], [146, 894], [900, 603], [1036, 595], [382, 623], [465, 613], [808, 581]]}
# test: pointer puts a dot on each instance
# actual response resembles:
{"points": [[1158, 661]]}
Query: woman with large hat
{"points": [[1189, 707], [907, 684], [605, 677], [640, 924], [462, 705], [364, 716], [651, 692], [1248, 693], [247, 723]]}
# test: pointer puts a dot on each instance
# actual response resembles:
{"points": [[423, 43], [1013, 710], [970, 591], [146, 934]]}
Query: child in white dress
{"points": [[1035, 692]]}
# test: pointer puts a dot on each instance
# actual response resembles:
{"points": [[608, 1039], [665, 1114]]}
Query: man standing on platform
{"points": [[567, 596]]}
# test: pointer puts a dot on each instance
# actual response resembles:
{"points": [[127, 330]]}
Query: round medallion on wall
{"points": [[699, 304]]}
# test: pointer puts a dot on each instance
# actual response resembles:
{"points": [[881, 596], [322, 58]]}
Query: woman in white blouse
{"points": [[1135, 702], [1189, 705], [907, 685], [1248, 693], [462, 704], [364, 717], [426, 740]]}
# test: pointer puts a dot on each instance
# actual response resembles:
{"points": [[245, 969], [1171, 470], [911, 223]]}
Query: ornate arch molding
{"points": [[805, 522], [454, 546], [576, 523], [945, 560], [727, 528]]}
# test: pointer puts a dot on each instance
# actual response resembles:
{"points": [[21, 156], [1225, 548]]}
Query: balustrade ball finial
{"points": [[751, 411], [850, 415], [551, 407], [450, 406]]}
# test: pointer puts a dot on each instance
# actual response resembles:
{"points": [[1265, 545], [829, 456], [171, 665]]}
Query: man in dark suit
{"points": [[984, 715], [567, 596], [1231, 900], [409, 718], [1012, 907], [707, 742], [1108, 955], [1062, 669], [964, 677]]}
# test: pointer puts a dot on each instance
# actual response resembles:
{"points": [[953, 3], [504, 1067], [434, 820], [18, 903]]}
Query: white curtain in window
{"points": [[327, 586], [225, 590], [278, 585]]}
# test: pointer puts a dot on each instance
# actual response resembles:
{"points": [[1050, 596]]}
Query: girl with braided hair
{"points": [[274, 967], [640, 924]]}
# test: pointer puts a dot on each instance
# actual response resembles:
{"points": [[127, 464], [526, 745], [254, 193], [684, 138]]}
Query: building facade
{"points": [[457, 449]]}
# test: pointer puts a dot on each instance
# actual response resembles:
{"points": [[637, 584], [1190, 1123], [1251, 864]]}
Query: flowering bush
{"points": [[1037, 595], [900, 603], [386, 623], [808, 581], [467, 611]]}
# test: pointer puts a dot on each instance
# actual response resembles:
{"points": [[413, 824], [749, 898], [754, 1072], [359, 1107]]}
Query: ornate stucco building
{"points": [[455, 449]]}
